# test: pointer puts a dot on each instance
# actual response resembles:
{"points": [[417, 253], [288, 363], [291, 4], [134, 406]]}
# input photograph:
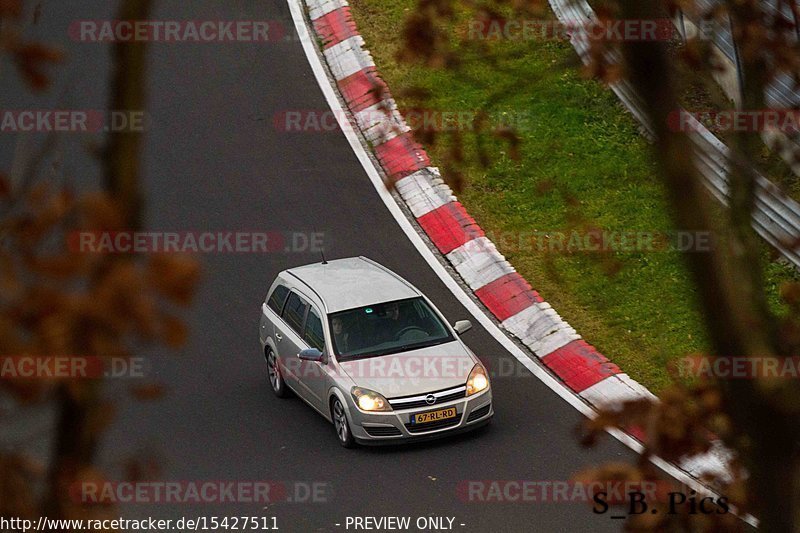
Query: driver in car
{"points": [[397, 321], [393, 315]]}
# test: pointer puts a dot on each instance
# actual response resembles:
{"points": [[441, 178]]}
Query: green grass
{"points": [[583, 163]]}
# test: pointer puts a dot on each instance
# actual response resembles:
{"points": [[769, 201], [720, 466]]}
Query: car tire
{"points": [[276, 382], [341, 424]]}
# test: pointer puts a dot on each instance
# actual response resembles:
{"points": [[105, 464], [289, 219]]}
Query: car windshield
{"points": [[386, 328]]}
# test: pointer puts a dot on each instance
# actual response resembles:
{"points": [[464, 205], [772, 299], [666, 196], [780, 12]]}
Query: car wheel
{"points": [[274, 374], [341, 424]]}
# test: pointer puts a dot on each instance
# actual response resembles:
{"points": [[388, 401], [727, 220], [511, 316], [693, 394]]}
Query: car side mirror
{"points": [[312, 354], [462, 326]]}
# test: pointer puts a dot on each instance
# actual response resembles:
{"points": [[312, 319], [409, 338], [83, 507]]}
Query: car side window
{"points": [[278, 298], [294, 312], [313, 334]]}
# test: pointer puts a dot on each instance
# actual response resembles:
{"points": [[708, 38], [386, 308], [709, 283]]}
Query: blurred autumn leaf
{"points": [[31, 59]]}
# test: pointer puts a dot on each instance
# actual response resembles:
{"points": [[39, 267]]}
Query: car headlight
{"points": [[478, 380], [368, 400]]}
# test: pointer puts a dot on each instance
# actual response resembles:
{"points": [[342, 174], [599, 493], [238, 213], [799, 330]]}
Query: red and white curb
{"points": [[518, 308]]}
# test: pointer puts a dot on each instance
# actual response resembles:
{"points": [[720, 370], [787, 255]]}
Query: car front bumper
{"points": [[395, 426]]}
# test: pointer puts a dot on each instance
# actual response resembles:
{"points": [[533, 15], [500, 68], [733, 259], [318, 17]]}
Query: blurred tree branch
{"points": [[82, 414], [729, 277], [128, 92], [759, 418]]}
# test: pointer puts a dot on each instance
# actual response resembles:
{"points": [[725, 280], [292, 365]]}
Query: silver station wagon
{"points": [[371, 353]]}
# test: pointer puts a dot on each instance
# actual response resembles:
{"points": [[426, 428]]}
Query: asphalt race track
{"points": [[215, 161]]}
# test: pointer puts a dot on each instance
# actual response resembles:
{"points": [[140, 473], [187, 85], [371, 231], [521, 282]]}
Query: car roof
{"points": [[353, 282]]}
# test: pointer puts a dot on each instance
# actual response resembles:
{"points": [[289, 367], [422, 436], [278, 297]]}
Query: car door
{"points": [[288, 339], [271, 311], [314, 375]]}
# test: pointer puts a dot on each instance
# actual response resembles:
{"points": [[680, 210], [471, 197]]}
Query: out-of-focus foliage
{"points": [[57, 301]]}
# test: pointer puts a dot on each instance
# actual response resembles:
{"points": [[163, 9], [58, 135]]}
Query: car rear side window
{"points": [[313, 332], [294, 312], [277, 299]]}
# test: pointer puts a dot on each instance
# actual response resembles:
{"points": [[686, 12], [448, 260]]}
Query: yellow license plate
{"points": [[433, 416]]}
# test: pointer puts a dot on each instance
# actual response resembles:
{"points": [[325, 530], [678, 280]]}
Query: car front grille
{"points": [[441, 424], [416, 401], [479, 413], [382, 431]]}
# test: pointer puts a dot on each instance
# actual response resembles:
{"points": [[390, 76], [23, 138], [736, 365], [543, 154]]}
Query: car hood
{"points": [[414, 372]]}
